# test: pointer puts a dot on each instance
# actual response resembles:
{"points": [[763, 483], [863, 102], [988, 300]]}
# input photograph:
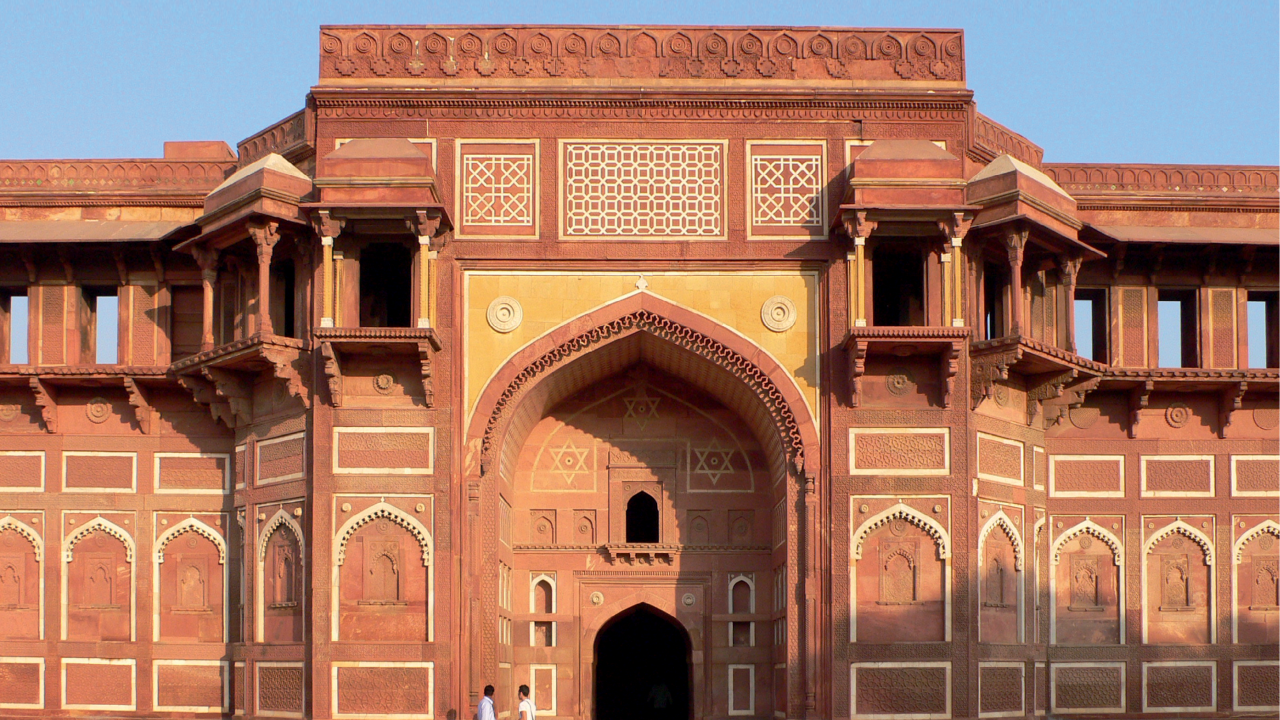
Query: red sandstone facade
{"points": [[715, 372]]}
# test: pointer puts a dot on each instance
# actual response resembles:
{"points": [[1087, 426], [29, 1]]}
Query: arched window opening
{"points": [[542, 598], [642, 519], [741, 632]]}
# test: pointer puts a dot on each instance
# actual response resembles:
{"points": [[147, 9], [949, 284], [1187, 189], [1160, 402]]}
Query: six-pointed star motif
{"points": [[642, 408], [713, 461], [570, 461]]}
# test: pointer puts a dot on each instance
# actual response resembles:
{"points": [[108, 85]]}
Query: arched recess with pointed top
{"points": [[1204, 568], [411, 525], [281, 522], [990, 607], [10, 523], [1245, 570], [929, 530], [197, 527], [1087, 527], [101, 524]]}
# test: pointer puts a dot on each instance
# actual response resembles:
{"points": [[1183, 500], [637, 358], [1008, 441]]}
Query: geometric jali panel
{"points": [[643, 189], [497, 190], [786, 190]]}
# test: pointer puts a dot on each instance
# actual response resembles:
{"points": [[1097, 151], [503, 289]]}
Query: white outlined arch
{"points": [[902, 511], [550, 580], [751, 583], [68, 551], [1005, 523], [1265, 527], [281, 518], [9, 522], [1178, 527], [1086, 527], [931, 527], [1037, 530], [426, 543], [202, 529]]}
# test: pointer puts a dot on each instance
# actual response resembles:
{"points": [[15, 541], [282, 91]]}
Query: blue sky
{"points": [[1186, 82]]}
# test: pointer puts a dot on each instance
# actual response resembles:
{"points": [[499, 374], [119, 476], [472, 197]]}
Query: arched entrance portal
{"points": [[642, 667]]}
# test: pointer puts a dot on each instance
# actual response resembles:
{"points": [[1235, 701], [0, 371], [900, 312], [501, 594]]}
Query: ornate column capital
{"points": [[265, 236]]}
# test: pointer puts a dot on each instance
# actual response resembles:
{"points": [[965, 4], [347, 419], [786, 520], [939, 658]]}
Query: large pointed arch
{"points": [[280, 518], [1262, 528], [1086, 527], [644, 326]]}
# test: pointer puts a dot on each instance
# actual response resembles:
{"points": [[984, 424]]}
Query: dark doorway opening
{"points": [[897, 285], [386, 274], [642, 519], [642, 668]]}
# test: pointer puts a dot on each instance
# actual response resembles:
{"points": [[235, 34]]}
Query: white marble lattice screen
{"points": [[642, 189]]}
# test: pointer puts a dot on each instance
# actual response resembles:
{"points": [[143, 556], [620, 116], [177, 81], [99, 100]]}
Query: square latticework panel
{"points": [[642, 189]]}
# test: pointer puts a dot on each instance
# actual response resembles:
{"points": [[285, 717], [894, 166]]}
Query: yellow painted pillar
{"points": [[426, 281], [957, 282], [326, 290], [860, 252]]}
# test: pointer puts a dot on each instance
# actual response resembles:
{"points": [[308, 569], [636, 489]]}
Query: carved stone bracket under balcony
{"points": [[641, 553], [336, 345], [45, 383], [1229, 386], [47, 401], [1048, 371], [944, 343], [224, 378]]}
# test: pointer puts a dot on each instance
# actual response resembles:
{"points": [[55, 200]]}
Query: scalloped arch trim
{"points": [[198, 527], [1005, 523], [389, 512], [1266, 526], [10, 522], [96, 524], [911, 515], [1088, 527], [280, 518], [1181, 528]]}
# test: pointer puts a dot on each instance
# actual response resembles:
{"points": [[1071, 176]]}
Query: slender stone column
{"points": [[425, 224], [1069, 266], [1015, 243], [265, 236], [859, 229], [328, 228], [207, 259]]}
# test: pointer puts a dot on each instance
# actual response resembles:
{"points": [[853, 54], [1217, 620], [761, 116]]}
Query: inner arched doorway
{"points": [[642, 667]]}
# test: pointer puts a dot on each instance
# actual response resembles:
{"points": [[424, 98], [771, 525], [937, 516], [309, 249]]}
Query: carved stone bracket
{"points": [[985, 370], [857, 368], [1231, 401], [327, 226], [950, 367], [142, 410], [202, 391], [427, 224], [331, 366], [1048, 386], [428, 384], [47, 401], [285, 363], [634, 554], [233, 389], [856, 224], [1139, 398], [1072, 397]]}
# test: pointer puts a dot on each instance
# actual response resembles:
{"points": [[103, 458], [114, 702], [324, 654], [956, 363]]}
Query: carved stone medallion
{"points": [[98, 410], [1177, 415], [900, 381], [504, 314], [778, 313]]}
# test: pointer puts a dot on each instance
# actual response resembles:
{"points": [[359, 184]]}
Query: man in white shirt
{"points": [[526, 705], [486, 705]]}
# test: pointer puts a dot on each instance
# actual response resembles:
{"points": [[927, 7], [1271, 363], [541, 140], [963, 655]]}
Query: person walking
{"points": [[526, 705], [485, 711]]}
